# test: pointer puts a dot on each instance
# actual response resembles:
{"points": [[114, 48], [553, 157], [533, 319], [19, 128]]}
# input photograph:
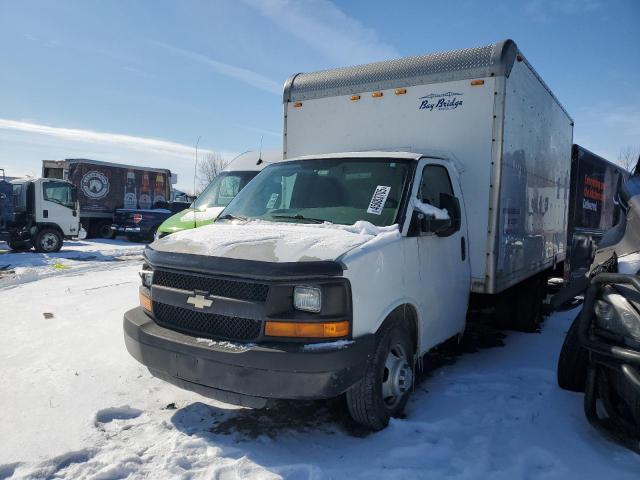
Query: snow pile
{"points": [[276, 241], [428, 209]]}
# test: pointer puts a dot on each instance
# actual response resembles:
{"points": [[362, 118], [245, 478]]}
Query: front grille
{"points": [[241, 290], [209, 325]]}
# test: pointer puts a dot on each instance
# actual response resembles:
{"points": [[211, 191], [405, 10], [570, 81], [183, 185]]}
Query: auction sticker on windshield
{"points": [[379, 199]]}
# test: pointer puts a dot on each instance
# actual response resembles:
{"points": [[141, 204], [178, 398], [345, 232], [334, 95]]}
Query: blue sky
{"points": [[138, 82]]}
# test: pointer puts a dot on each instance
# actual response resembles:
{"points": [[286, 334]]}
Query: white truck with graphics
{"points": [[411, 190]]}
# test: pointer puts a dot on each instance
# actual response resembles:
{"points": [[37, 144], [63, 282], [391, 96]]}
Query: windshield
{"points": [[223, 189], [337, 190]]}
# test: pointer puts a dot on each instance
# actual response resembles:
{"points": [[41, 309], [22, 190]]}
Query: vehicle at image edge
{"points": [[104, 187], [138, 224], [410, 191], [601, 351], [592, 209], [38, 213], [220, 191]]}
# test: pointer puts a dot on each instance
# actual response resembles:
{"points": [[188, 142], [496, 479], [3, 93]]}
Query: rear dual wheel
{"points": [[384, 390]]}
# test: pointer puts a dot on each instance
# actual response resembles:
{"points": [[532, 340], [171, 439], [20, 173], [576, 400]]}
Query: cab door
{"points": [[57, 204], [443, 260]]}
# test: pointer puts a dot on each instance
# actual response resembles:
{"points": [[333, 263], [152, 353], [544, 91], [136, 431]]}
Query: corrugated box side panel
{"points": [[534, 181]]}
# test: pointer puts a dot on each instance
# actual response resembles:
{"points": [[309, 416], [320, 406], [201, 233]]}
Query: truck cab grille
{"points": [[207, 325], [237, 289]]}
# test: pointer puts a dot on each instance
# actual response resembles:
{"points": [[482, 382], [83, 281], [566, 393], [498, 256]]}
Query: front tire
{"points": [[48, 240], [573, 361], [384, 389]]}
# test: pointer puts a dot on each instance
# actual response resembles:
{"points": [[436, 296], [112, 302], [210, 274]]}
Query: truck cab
{"points": [[45, 212], [409, 190]]}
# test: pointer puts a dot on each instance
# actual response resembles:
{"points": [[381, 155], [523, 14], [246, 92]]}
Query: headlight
{"points": [[147, 277], [617, 316], [308, 299]]}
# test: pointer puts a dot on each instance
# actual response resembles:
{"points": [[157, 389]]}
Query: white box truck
{"points": [[410, 190]]}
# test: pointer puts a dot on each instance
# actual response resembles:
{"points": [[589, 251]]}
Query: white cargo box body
{"points": [[485, 109]]}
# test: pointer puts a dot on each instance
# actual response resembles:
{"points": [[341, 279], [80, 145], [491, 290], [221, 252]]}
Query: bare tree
{"points": [[628, 157], [209, 168]]}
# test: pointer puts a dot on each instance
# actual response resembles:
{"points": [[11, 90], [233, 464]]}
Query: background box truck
{"points": [[104, 187], [592, 207], [410, 190]]}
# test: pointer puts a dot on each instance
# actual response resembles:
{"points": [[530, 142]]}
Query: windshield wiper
{"points": [[302, 217], [228, 216]]}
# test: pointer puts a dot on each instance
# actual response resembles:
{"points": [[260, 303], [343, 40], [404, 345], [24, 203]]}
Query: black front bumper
{"points": [[603, 354], [245, 374]]}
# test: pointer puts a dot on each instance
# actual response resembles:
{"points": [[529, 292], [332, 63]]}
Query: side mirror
{"points": [[427, 219], [452, 205], [425, 223]]}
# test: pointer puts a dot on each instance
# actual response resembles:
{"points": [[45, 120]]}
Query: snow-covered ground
{"points": [[74, 404]]}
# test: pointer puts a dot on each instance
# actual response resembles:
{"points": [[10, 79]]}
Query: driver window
{"points": [[435, 180], [58, 192]]}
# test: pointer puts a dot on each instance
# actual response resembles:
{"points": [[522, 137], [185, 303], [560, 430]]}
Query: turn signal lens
{"points": [[307, 329], [475, 83], [297, 104], [355, 97], [145, 302], [401, 91], [376, 94]]}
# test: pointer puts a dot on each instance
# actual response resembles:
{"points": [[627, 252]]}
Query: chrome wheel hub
{"points": [[49, 242], [397, 377]]}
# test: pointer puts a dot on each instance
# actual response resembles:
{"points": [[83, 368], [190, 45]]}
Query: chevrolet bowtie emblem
{"points": [[199, 301]]}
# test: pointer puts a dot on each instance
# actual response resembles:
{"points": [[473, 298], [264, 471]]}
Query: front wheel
{"points": [[573, 361], [48, 240], [384, 389]]}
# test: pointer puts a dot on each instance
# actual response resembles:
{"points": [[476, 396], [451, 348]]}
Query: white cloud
{"points": [[242, 74], [326, 28], [90, 136]]}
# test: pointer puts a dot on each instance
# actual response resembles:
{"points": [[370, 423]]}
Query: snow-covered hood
{"points": [[275, 242]]}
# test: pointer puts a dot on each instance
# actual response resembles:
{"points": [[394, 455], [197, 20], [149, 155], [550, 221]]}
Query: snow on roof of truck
{"points": [[467, 63], [248, 161]]}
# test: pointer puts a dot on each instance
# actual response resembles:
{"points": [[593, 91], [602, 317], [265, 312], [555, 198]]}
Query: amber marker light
{"points": [[145, 302], [355, 97], [297, 104], [307, 329], [376, 94], [401, 91], [477, 83]]}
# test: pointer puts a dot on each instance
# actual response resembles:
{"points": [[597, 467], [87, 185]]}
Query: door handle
{"points": [[463, 249]]}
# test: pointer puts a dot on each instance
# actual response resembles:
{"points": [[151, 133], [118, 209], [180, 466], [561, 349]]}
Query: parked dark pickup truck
{"points": [[139, 224]]}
